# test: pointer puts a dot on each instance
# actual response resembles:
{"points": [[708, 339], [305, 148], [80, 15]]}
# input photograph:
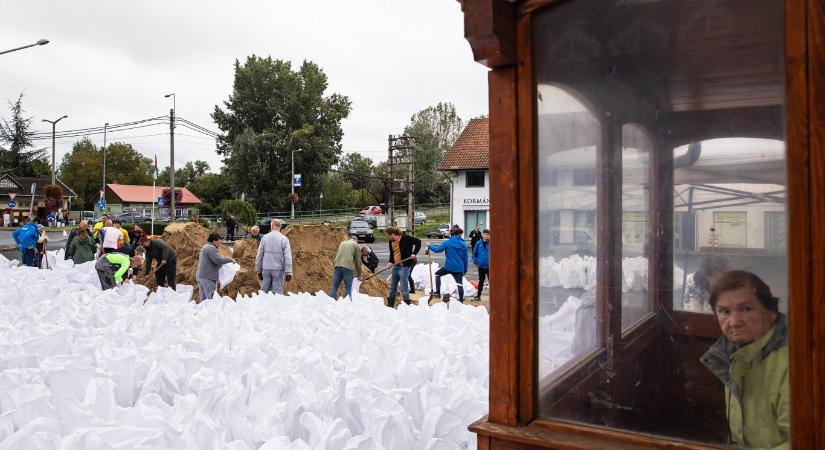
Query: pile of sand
{"points": [[313, 253], [187, 239]]}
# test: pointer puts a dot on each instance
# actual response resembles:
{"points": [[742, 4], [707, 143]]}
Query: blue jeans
{"points": [[340, 274], [29, 257], [400, 275]]}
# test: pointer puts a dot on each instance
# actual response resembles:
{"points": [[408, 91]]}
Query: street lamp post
{"points": [[292, 184], [103, 188], [40, 42], [172, 157], [54, 123]]}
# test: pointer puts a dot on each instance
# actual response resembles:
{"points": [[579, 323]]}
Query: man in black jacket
{"points": [[167, 258], [402, 248]]}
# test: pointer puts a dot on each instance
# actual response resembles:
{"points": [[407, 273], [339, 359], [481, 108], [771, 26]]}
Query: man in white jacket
{"points": [[274, 260]]}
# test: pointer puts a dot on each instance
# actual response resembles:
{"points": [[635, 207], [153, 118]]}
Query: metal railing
{"points": [[332, 215]]}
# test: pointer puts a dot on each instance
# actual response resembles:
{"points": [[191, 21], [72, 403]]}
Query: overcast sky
{"points": [[113, 61]]}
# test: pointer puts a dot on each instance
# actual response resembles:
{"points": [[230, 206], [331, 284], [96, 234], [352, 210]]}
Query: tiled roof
{"points": [[130, 193], [23, 185], [471, 150]]}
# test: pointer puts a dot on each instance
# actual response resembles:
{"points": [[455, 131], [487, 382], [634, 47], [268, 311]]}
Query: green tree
{"points": [[17, 155], [211, 189], [274, 110], [357, 170], [435, 130], [82, 168], [184, 176], [243, 210]]}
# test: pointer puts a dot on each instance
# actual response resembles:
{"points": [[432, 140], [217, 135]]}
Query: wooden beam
{"points": [[490, 28], [504, 266]]}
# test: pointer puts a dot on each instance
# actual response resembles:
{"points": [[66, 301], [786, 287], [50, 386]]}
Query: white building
{"points": [[466, 164]]}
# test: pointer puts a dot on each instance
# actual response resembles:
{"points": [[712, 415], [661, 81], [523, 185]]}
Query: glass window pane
{"points": [[661, 161], [567, 213], [636, 149]]}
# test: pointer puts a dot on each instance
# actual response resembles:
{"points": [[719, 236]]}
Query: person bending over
{"points": [[751, 360], [455, 264], [112, 268]]}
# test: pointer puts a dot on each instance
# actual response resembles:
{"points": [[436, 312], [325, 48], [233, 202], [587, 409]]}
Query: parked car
{"points": [[137, 218], [372, 210], [266, 224], [419, 218], [361, 230], [442, 232], [369, 218]]}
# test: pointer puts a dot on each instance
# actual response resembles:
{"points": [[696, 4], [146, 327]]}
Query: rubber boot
{"points": [[390, 302]]}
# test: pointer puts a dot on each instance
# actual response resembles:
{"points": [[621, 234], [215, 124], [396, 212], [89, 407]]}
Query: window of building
{"points": [[584, 177], [475, 178]]}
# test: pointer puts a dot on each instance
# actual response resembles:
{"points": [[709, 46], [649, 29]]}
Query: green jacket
{"points": [[120, 261], [349, 256], [82, 250], [756, 387]]}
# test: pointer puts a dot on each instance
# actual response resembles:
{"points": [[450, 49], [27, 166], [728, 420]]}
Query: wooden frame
{"points": [[499, 33]]}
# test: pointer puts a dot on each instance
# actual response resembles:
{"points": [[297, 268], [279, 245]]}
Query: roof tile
{"points": [[472, 149]]}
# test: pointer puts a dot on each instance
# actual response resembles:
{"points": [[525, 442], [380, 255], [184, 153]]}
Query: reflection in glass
{"points": [[660, 149], [568, 135], [729, 206], [636, 150]]}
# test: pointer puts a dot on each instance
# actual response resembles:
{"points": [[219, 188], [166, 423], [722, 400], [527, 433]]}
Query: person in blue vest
{"points": [[456, 264], [25, 238], [481, 258]]}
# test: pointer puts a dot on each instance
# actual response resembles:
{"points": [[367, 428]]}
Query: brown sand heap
{"points": [[187, 239], [313, 253]]}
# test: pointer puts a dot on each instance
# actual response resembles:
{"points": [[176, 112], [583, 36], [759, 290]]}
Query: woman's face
{"points": [[742, 317]]}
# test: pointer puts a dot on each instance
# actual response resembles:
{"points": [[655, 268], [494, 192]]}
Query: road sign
{"points": [[101, 204], [296, 180], [50, 218], [134, 210], [160, 202], [12, 203], [164, 212]]}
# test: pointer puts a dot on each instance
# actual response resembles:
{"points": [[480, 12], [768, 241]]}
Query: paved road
{"points": [[56, 241], [382, 250]]}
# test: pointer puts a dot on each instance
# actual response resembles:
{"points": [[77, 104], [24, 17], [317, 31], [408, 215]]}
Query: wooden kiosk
{"points": [[668, 130]]}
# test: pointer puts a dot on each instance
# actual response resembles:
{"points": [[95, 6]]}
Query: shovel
{"points": [[387, 268]]}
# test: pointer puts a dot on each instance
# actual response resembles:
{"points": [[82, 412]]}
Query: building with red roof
{"points": [[467, 163], [127, 199]]}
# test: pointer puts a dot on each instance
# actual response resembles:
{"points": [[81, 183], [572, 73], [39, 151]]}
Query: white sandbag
{"points": [[227, 273]]}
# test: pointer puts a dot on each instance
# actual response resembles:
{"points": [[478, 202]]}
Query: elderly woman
{"points": [[751, 359], [255, 233]]}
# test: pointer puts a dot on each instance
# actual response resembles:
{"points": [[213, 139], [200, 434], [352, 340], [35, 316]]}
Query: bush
{"points": [[244, 212], [147, 227]]}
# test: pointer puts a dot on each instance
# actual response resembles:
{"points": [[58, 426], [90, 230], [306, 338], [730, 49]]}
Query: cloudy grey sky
{"points": [[112, 61]]}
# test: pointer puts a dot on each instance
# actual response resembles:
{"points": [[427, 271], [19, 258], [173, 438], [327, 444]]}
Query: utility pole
{"points": [[172, 158], [402, 153], [54, 124], [103, 186]]}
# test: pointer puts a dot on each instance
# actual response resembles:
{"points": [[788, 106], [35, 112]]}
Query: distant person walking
{"points": [[481, 258], [209, 263], [25, 238], [230, 227], [475, 236], [113, 267], [167, 259], [67, 252], [402, 248], [83, 247], [347, 265], [274, 260], [456, 261]]}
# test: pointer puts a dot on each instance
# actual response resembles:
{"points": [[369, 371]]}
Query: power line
{"points": [[95, 130]]}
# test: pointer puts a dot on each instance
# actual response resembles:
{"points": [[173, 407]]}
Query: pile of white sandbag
{"points": [[85, 369]]}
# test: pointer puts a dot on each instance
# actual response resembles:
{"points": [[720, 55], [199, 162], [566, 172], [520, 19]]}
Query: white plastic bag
{"points": [[227, 273]]}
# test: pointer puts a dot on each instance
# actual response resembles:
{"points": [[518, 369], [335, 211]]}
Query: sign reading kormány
{"points": [[476, 201]]}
